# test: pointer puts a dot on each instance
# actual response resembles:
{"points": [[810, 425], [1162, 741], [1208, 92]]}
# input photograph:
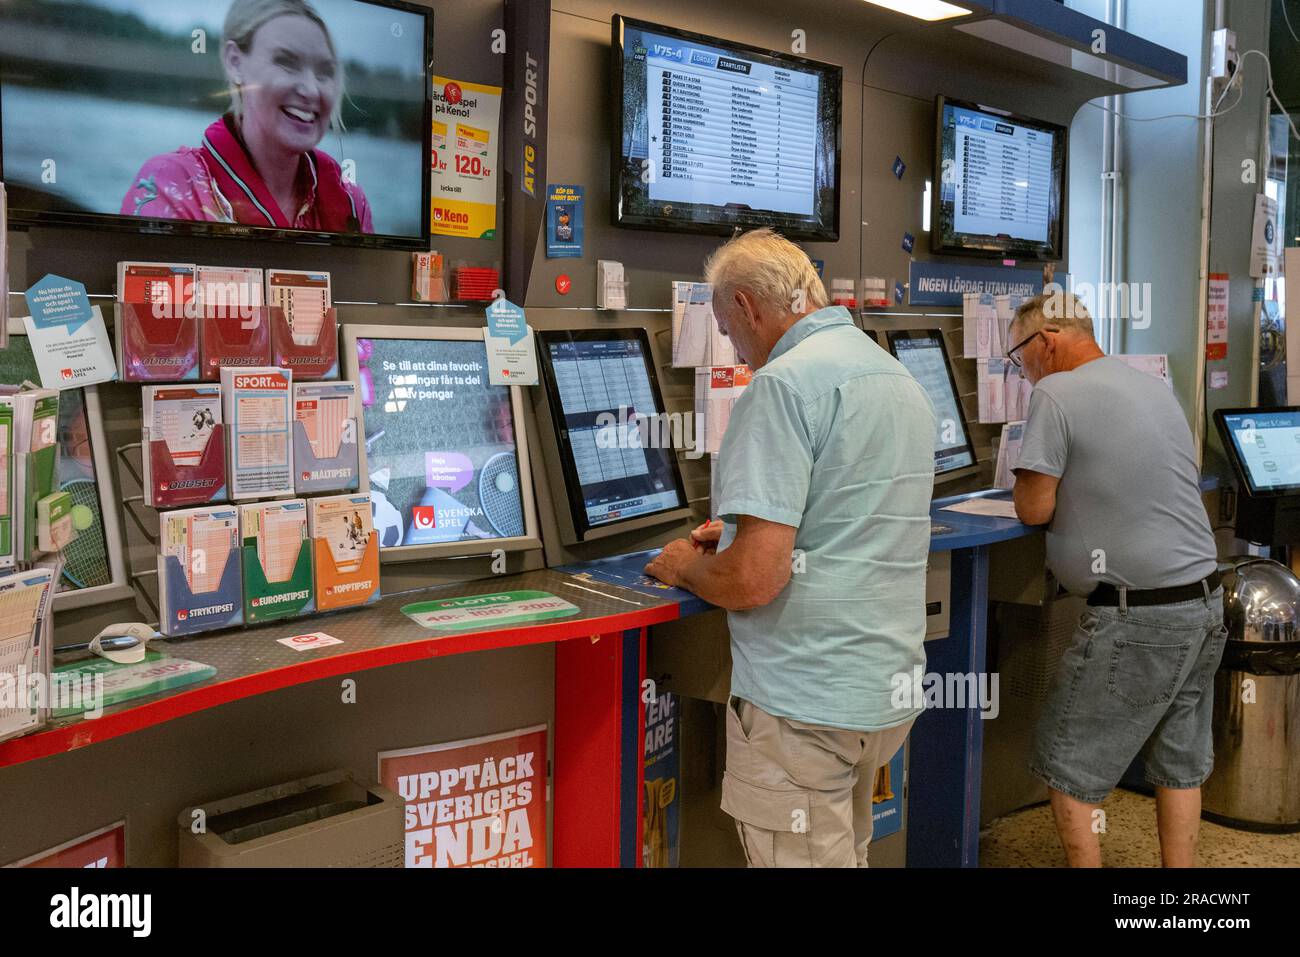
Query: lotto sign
{"points": [[463, 167], [475, 803]]}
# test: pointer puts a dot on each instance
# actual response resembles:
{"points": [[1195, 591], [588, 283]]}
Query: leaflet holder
{"points": [[338, 473], [175, 485], [269, 601], [155, 348], [231, 342], [182, 603], [317, 360], [336, 589]]}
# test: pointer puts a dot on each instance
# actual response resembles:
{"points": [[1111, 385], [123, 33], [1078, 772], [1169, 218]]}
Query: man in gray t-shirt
{"points": [[1107, 464]]}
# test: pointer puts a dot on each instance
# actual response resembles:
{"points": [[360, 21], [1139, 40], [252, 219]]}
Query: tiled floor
{"points": [[1028, 839]]}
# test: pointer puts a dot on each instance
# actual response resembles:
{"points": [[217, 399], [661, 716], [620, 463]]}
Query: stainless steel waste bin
{"points": [[1256, 779]]}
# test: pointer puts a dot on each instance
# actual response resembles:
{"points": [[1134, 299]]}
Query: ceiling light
{"points": [[923, 9]]}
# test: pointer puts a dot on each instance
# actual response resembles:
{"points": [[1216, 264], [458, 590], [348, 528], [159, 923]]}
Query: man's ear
{"points": [[747, 306]]}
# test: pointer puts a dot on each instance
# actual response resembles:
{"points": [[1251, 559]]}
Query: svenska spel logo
{"points": [[182, 615], [424, 516], [66, 373]]}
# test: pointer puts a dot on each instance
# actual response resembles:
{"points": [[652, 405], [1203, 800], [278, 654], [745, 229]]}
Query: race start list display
{"points": [[730, 130]]}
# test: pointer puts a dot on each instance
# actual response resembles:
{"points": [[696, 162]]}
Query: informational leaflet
{"points": [[256, 403], [979, 318], [466, 119], [475, 803], [1003, 391], [68, 336], [1156, 366], [345, 523], [716, 390], [697, 341], [1216, 333], [230, 290], [183, 418], [305, 298], [202, 540], [327, 412], [511, 349], [277, 530], [1013, 434]]}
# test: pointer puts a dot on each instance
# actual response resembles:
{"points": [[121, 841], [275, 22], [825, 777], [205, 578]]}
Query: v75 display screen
{"points": [[712, 135]]}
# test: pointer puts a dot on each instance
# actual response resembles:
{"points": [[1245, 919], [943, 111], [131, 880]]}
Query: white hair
{"points": [[769, 267], [1056, 307]]}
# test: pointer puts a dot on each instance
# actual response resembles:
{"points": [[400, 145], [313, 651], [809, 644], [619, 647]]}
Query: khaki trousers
{"points": [[801, 793]]}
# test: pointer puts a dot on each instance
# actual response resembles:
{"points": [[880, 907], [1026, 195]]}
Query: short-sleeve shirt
{"points": [[834, 437], [1128, 507]]}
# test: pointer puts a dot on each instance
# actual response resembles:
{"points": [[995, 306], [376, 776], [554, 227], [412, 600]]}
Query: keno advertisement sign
{"points": [[475, 803]]}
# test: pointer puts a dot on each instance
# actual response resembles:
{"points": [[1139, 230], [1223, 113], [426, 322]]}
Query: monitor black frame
{"points": [[1010, 248], [20, 217], [835, 84], [893, 335], [583, 529], [1239, 468]]}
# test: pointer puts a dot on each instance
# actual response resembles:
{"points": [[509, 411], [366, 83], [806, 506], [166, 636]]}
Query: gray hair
{"points": [[772, 269], [1059, 308]]}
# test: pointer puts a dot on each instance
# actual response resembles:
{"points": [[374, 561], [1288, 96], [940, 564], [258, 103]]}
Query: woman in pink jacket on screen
{"points": [[258, 164]]}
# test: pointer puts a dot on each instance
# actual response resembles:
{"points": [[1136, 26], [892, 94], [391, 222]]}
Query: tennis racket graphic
{"points": [[85, 560]]}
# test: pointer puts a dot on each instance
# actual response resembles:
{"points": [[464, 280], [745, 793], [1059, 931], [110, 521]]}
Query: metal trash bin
{"points": [[1256, 780]]}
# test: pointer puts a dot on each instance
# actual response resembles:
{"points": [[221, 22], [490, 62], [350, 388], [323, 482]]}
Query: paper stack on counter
{"points": [[198, 570], [184, 450], [258, 418], [25, 600], [716, 390]]}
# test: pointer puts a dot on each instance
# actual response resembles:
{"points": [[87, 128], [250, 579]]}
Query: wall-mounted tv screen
{"points": [[923, 353], [601, 385], [711, 135], [1001, 183], [446, 454], [308, 120]]}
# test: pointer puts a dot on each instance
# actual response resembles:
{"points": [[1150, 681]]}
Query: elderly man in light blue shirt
{"points": [[825, 476]]}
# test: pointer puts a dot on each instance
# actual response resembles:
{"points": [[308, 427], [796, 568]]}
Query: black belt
{"points": [[1108, 595]]}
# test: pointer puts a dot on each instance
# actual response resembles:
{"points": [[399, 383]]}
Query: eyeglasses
{"points": [[1014, 352]]}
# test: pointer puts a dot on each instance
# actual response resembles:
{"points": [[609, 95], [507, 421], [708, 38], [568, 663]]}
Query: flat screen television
{"points": [[1264, 448], [711, 135], [618, 473], [305, 120], [1001, 183], [446, 453], [94, 569], [923, 353]]}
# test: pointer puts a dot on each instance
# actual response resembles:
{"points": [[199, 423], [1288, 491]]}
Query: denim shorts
{"points": [[1133, 681]]}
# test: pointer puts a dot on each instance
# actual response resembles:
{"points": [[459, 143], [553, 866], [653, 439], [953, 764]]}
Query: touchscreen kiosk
{"points": [[924, 354], [445, 453], [614, 441], [1264, 448]]}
